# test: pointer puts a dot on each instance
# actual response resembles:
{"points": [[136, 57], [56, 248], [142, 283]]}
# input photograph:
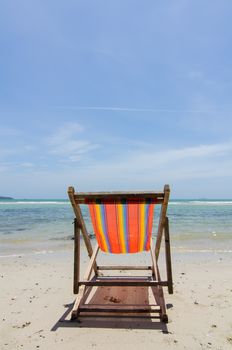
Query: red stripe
{"points": [[133, 227], [111, 222]]}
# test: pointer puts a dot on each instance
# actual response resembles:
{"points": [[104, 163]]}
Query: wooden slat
{"points": [[122, 193], [120, 308], [119, 267], [123, 283], [81, 197]]}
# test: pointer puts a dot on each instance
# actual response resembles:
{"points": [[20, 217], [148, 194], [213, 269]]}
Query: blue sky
{"points": [[109, 95]]}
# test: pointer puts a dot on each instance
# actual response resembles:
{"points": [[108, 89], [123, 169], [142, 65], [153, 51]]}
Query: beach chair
{"points": [[122, 223]]}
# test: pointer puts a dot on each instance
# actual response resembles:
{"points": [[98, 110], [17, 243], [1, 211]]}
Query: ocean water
{"points": [[46, 225]]}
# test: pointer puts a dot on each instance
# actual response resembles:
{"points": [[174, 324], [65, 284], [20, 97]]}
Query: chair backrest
{"points": [[123, 226], [122, 221]]}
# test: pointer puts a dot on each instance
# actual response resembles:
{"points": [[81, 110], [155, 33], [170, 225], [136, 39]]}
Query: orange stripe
{"points": [[111, 222]]}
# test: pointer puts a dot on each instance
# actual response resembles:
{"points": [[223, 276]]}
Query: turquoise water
{"points": [[47, 224]]}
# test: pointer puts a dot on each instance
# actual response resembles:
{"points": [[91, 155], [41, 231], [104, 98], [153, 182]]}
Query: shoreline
{"points": [[68, 247]]}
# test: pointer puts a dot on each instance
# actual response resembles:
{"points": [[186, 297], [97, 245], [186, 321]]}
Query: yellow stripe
{"points": [[100, 227], [142, 208], [121, 227]]}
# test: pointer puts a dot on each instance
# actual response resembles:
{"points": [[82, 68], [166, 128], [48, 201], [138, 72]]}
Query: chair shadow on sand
{"points": [[121, 296]]}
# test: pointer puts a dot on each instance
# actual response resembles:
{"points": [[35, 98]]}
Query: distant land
{"points": [[2, 197]]}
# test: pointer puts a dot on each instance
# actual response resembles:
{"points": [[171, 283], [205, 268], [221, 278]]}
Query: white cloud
{"points": [[201, 78], [195, 75], [150, 160], [201, 165], [132, 109], [3, 168], [73, 149], [66, 142], [11, 151], [143, 168], [13, 165], [7, 132], [26, 165], [65, 132]]}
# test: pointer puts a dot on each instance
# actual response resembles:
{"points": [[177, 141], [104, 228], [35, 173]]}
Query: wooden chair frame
{"points": [[82, 287]]}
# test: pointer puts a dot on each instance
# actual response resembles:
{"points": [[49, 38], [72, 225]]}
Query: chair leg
{"points": [[75, 309], [164, 316], [76, 272], [82, 288], [168, 256], [159, 297]]}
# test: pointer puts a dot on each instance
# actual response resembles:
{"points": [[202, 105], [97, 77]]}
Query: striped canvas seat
{"points": [[123, 226]]}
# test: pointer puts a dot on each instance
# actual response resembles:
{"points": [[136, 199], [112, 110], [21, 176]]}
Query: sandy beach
{"points": [[36, 298]]}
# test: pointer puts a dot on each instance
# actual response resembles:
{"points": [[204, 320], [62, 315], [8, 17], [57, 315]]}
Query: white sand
{"points": [[37, 290]]}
